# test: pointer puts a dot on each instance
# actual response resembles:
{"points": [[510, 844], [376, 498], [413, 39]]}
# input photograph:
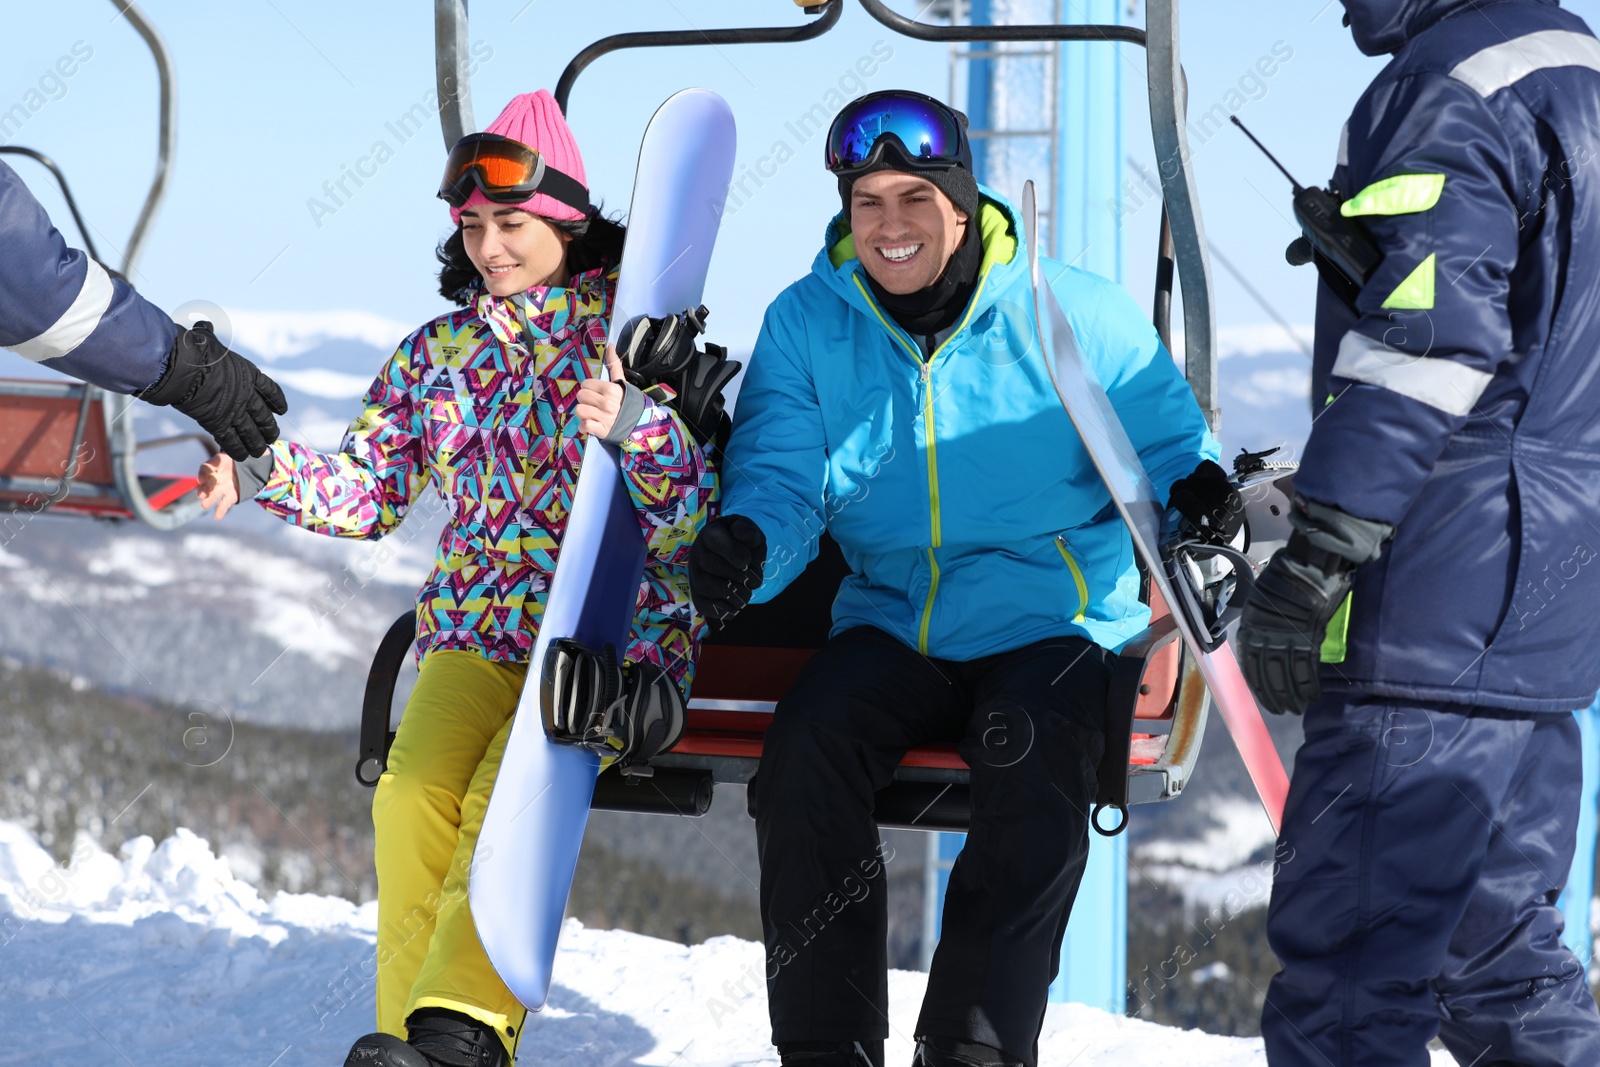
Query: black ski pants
{"points": [[1029, 724]]}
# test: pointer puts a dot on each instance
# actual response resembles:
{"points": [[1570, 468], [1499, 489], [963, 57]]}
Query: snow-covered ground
{"points": [[160, 956]]}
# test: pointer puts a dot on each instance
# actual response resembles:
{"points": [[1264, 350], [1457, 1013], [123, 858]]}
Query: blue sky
{"points": [[278, 97]]}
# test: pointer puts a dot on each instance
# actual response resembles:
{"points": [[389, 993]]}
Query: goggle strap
{"points": [[882, 147], [565, 188], [552, 183]]}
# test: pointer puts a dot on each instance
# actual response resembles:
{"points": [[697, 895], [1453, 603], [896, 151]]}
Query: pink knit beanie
{"points": [[536, 121]]}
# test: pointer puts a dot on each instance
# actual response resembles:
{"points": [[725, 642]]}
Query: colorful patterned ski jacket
{"points": [[465, 406], [971, 516]]}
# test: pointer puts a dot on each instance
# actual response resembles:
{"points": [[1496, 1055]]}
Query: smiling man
{"points": [[896, 398]]}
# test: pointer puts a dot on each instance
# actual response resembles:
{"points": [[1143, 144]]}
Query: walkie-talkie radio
{"points": [[1343, 251]]}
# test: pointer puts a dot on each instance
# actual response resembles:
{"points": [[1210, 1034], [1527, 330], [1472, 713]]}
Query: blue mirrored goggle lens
{"points": [[924, 131]]}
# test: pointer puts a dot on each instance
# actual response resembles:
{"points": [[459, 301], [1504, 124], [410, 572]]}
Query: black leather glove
{"points": [[1286, 617], [221, 390], [725, 566], [1212, 508], [661, 351]]}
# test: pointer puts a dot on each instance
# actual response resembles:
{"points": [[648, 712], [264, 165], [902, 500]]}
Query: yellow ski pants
{"points": [[426, 816]]}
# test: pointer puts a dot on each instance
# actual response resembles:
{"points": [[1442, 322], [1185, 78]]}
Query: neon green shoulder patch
{"points": [[1416, 292], [1403, 194]]}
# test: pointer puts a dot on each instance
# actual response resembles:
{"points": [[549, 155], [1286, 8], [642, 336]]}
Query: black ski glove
{"points": [[725, 566], [221, 390], [661, 351], [1286, 617], [1211, 507]]}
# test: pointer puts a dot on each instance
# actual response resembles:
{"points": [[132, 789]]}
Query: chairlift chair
{"points": [[1157, 708], [69, 447]]}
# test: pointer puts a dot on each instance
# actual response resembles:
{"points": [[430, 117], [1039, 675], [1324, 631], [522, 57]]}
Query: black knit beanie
{"points": [[954, 181]]}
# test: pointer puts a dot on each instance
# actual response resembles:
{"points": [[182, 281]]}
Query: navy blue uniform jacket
{"points": [[60, 308], [1463, 404]]}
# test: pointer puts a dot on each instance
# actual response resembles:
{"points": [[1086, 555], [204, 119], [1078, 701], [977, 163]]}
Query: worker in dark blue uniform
{"points": [[1436, 612], [61, 309]]}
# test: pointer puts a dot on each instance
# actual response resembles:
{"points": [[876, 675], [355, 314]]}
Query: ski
{"points": [[527, 851], [1136, 500]]}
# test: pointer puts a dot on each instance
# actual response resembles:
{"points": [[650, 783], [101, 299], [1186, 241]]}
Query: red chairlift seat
{"points": [[68, 448], [1153, 723]]}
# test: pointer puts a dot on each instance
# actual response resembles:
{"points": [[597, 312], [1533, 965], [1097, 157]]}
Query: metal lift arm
{"points": [[959, 34], [167, 136], [830, 12], [119, 423], [1169, 99], [449, 57]]}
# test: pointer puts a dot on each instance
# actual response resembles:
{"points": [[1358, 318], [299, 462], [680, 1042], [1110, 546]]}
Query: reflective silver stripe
{"points": [[1439, 383], [76, 323], [1509, 62], [1344, 146]]}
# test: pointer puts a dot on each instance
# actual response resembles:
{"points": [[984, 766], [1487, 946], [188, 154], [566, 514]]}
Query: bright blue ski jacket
{"points": [[964, 502], [1466, 397], [63, 310]]}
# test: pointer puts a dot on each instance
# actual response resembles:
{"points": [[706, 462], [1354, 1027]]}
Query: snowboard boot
{"points": [[831, 1053], [384, 1050], [954, 1052], [448, 1038]]}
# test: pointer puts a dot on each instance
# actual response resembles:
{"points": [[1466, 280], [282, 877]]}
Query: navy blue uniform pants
{"points": [[1422, 852], [1029, 724]]}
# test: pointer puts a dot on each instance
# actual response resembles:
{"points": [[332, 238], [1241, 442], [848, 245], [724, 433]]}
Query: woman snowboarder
{"points": [[491, 404]]}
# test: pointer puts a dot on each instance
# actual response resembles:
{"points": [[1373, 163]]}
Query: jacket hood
{"points": [[999, 224], [1382, 27]]}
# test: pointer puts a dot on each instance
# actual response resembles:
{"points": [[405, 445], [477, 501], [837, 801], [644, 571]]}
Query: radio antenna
{"points": [[1269, 155]]}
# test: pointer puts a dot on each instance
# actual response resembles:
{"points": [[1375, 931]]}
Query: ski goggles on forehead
{"points": [[927, 132], [506, 172]]}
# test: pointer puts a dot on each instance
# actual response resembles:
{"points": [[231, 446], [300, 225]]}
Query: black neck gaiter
{"points": [[935, 308]]}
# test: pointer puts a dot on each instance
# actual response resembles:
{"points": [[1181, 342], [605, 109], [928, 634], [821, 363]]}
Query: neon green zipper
{"points": [[927, 607], [936, 533], [1077, 577]]}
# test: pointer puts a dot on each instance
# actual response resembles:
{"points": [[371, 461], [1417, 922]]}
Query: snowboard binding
{"points": [[659, 357], [632, 711], [1210, 581], [1206, 580]]}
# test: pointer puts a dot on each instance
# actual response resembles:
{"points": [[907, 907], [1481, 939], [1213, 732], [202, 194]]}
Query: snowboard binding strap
{"points": [[659, 357], [1209, 598], [632, 711]]}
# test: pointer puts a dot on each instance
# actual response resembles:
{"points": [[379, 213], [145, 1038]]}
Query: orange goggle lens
{"points": [[499, 171]]}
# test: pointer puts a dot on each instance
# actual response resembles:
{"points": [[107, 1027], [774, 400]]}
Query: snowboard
{"points": [[527, 851], [1136, 500]]}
